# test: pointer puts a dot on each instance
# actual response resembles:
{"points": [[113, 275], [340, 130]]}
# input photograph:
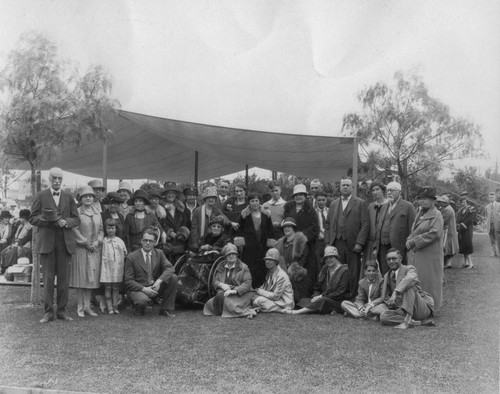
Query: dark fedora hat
{"points": [[139, 193], [113, 197], [50, 215], [427, 192]]}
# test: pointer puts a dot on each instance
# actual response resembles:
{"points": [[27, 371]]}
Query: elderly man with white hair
{"points": [[396, 226]]}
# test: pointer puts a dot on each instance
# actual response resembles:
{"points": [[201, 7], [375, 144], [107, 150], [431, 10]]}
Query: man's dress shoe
{"points": [[47, 317]]}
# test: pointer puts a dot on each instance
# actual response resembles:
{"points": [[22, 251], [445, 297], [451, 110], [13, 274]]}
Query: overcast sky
{"points": [[281, 66]]}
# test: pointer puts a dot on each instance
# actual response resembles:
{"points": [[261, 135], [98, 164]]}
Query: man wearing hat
{"points": [[425, 244], [493, 223], [450, 236], [54, 212], [348, 231], [276, 292], [396, 225]]}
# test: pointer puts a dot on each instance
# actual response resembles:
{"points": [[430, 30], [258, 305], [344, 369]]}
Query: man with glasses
{"points": [[396, 225], [149, 276], [408, 304]]}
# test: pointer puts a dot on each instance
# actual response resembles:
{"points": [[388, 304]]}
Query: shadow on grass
{"points": [[271, 353]]}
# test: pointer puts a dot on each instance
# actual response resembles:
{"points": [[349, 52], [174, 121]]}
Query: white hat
{"points": [[299, 189]]}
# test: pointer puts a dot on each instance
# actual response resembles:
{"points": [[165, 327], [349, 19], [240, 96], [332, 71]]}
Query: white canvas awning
{"points": [[148, 147]]}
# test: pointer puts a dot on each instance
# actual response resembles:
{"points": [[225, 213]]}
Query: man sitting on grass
{"points": [[408, 304], [148, 275], [368, 302]]}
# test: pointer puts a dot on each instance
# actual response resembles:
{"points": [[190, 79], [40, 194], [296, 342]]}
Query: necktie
{"points": [[323, 214], [393, 280], [148, 264], [55, 193]]}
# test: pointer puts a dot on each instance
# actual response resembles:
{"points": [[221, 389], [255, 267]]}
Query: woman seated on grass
{"points": [[333, 281], [233, 283], [276, 293]]}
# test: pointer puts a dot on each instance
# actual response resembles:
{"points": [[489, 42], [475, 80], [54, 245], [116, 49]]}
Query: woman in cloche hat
{"points": [[86, 262]]}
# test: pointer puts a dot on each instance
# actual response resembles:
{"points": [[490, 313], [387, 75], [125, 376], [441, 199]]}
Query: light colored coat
{"points": [[427, 254], [496, 216], [450, 231], [278, 288]]}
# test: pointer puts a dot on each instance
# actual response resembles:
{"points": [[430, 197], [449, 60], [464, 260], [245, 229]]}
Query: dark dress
{"points": [[232, 210], [134, 228], [255, 248], [334, 287], [465, 217], [120, 223], [307, 223]]}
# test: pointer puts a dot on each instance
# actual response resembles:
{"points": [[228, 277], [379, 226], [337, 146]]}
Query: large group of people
{"points": [[380, 261]]}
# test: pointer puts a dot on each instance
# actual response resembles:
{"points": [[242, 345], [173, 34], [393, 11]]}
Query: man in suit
{"points": [[148, 275], [397, 223], [493, 222], [54, 212], [408, 304], [322, 212], [348, 230], [368, 302], [222, 193]]}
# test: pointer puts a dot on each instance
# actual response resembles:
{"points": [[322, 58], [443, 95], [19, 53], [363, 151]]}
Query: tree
{"points": [[48, 105], [409, 129]]}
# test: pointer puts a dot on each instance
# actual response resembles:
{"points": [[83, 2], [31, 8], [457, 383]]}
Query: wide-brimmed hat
{"points": [[210, 191], [216, 219], [330, 251], [272, 254], [170, 186], [444, 198], [96, 184], [5, 215], [158, 193], [86, 190], [123, 185], [190, 190], [299, 189], [49, 215], [229, 249], [24, 214], [289, 222], [112, 197], [140, 193], [427, 192]]}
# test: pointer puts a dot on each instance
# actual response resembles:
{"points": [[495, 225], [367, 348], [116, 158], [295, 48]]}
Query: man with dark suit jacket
{"points": [[54, 212], [223, 193], [148, 275], [408, 304], [348, 231], [397, 223]]}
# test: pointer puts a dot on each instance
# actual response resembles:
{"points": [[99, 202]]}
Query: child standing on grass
{"points": [[113, 256]]}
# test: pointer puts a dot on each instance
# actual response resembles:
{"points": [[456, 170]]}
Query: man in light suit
{"points": [[408, 304], [54, 212], [348, 230], [148, 275], [493, 222], [397, 223]]}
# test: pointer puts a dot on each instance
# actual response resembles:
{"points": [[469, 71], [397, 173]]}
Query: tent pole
{"points": [[246, 175], [355, 167], [196, 168], [105, 164]]}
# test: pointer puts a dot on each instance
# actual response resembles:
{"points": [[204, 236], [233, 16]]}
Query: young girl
{"points": [[113, 255]]}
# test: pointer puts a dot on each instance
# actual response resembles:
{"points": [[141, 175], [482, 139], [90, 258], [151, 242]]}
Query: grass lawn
{"points": [[271, 353]]}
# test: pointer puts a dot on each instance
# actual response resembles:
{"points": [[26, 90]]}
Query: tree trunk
{"points": [[35, 298], [33, 179]]}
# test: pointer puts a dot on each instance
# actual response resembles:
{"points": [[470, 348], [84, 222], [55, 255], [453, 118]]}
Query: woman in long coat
{"points": [[465, 227], [86, 262], [425, 245], [256, 228], [233, 283], [450, 236]]}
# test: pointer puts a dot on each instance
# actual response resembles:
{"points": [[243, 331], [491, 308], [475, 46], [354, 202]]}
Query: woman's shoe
{"points": [[287, 311], [90, 312], [80, 314], [111, 312], [469, 267], [117, 312]]}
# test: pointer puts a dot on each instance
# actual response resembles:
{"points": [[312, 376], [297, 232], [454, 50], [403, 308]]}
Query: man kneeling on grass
{"points": [[149, 275], [368, 302], [408, 304]]}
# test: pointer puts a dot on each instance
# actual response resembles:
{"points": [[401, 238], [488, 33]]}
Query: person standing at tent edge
{"points": [[54, 212]]}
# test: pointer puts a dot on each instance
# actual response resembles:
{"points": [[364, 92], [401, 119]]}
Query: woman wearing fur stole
{"points": [[294, 252]]}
